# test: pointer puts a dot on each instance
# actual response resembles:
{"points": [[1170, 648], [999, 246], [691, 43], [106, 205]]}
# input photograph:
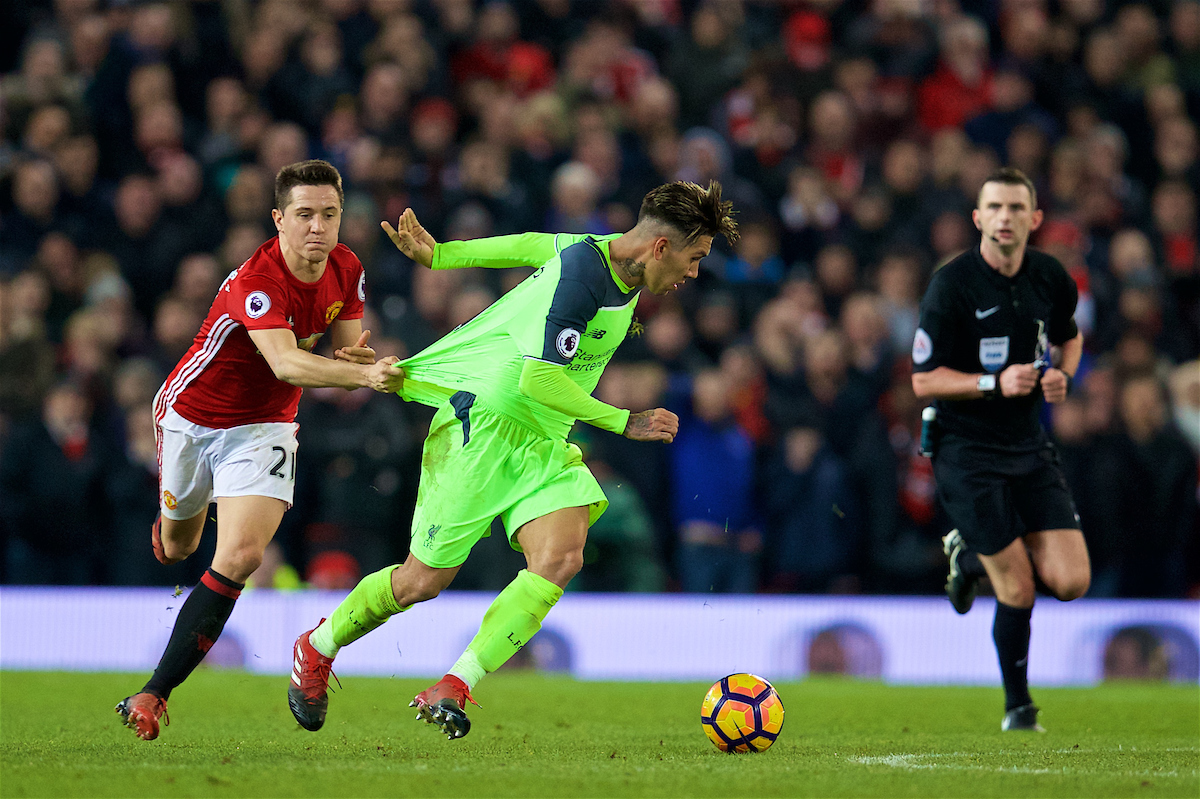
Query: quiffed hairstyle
{"points": [[691, 210], [1011, 176], [306, 173]]}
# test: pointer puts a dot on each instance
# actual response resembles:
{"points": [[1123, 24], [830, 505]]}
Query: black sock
{"points": [[1010, 631], [197, 628]]}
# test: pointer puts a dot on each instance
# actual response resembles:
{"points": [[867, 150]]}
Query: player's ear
{"points": [[277, 215], [1038, 216]]}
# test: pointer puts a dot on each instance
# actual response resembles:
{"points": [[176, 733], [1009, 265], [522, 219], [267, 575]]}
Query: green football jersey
{"points": [[573, 311]]}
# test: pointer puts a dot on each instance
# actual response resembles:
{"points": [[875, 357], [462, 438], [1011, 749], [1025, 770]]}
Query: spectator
{"points": [[621, 553], [831, 148], [52, 497], [720, 540], [310, 86], [899, 284], [960, 87], [355, 483], [498, 56], [575, 192], [811, 542], [27, 357], [1155, 494], [35, 194], [809, 214]]}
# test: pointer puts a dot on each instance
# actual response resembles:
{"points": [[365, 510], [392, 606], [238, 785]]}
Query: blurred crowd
{"points": [[140, 144]]}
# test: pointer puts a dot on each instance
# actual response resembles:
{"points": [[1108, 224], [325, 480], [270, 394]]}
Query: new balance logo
{"points": [[985, 314]]}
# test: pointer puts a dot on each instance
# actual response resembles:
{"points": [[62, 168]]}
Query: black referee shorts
{"points": [[995, 496]]}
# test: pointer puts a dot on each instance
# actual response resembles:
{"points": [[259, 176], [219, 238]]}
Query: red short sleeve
{"points": [[258, 302]]}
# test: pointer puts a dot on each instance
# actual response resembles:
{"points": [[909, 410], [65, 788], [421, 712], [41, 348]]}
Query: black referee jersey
{"points": [[976, 320]]}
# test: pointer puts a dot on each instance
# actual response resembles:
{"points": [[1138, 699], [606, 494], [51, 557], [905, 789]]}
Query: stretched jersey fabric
{"points": [[573, 311], [223, 380]]}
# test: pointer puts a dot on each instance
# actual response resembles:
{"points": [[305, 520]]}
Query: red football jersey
{"points": [[223, 380]]}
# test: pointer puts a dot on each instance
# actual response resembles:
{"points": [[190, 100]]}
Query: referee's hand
{"points": [[1018, 380], [1054, 385]]}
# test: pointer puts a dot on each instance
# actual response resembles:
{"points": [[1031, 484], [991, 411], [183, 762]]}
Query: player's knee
{"points": [[1073, 587], [1015, 593], [410, 586], [565, 566], [178, 550], [424, 591], [241, 563]]}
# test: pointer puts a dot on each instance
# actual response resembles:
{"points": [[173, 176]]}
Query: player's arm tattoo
{"points": [[639, 423], [631, 268]]}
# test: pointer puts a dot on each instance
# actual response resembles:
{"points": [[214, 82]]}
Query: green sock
{"points": [[368, 606], [509, 623]]}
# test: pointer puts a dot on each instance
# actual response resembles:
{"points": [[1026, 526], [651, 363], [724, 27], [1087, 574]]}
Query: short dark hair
{"points": [[1011, 176], [691, 210], [314, 172]]}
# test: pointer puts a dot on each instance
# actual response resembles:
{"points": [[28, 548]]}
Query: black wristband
{"points": [[1070, 381]]}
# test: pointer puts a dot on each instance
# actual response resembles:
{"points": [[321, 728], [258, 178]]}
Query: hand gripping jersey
{"points": [[223, 381], [573, 311]]}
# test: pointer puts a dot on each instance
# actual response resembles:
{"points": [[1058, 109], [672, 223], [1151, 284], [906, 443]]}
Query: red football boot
{"points": [[141, 713], [445, 703], [308, 693]]}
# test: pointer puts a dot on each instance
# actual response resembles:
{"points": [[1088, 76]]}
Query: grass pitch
{"points": [[232, 735]]}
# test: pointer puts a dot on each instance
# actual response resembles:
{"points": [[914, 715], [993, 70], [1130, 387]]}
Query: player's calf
{"points": [[156, 543]]}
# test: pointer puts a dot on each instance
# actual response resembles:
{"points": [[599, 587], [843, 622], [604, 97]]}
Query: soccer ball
{"points": [[742, 713]]}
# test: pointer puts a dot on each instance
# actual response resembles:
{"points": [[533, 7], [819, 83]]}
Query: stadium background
{"points": [[140, 140]]}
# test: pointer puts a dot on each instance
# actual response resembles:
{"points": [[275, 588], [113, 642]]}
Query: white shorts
{"points": [[199, 464]]}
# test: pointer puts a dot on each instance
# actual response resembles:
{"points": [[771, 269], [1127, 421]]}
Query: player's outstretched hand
{"points": [[359, 353], [1018, 380], [384, 378], [1054, 385], [656, 425], [410, 238]]}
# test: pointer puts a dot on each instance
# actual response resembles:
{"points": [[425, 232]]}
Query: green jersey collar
{"points": [[603, 250]]}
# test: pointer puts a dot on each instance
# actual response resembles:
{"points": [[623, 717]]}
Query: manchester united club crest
{"points": [[332, 311], [169, 500]]}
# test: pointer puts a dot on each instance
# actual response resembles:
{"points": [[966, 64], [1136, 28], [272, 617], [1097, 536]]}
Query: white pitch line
{"points": [[910, 762]]}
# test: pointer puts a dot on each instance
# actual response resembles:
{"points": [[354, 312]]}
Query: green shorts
{"points": [[478, 464]]}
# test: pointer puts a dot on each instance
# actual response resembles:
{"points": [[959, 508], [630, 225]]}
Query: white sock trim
{"points": [[322, 639], [468, 669]]}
